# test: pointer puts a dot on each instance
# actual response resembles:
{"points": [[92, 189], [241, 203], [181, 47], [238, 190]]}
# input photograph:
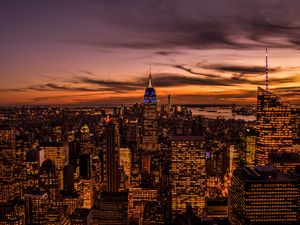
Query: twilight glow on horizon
{"points": [[99, 52]]}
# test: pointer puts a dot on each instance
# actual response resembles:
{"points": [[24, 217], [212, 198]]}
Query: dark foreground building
{"points": [[111, 208], [263, 196]]}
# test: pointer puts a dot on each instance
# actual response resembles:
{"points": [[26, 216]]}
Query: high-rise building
{"points": [[111, 208], [295, 120], [7, 162], [273, 126], [48, 180], [149, 138], [284, 162], [188, 174], [12, 212], [57, 132], [69, 178], [217, 208], [153, 213], [87, 192], [81, 217], [72, 200], [58, 152], [36, 206], [34, 160], [233, 158], [111, 158], [250, 147], [263, 196], [85, 140], [125, 168], [56, 216], [295, 174], [126, 161], [85, 165], [137, 198], [132, 132], [23, 145], [273, 123]]}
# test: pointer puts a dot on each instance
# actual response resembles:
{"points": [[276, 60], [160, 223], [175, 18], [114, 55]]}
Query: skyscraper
{"points": [[58, 152], [48, 180], [285, 162], [233, 158], [85, 140], [36, 206], [12, 212], [263, 196], [188, 174], [111, 158], [273, 124], [7, 162], [126, 161], [137, 198], [153, 213], [111, 208], [149, 139], [250, 147], [81, 217], [72, 200]]}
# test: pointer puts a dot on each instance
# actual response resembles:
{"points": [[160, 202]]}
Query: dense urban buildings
{"points": [[150, 163]]}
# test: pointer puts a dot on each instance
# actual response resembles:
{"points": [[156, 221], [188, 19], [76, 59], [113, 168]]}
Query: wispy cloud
{"points": [[166, 25]]}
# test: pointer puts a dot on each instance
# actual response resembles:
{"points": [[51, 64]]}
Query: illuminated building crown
{"points": [[84, 129], [150, 95]]}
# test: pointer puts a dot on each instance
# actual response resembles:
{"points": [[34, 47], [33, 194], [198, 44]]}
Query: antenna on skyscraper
{"points": [[267, 72], [150, 77]]}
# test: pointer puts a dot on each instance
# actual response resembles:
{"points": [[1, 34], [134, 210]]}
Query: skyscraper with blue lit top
{"points": [[149, 139]]}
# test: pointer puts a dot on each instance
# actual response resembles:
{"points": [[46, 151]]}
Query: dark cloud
{"points": [[191, 71], [287, 92], [194, 24], [56, 87], [59, 97], [242, 69], [240, 95], [166, 53], [293, 88], [169, 80], [115, 85], [166, 80], [161, 80], [87, 72], [13, 90]]}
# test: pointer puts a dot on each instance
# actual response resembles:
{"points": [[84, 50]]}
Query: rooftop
{"points": [[114, 196], [187, 138], [265, 174], [81, 212], [285, 157]]}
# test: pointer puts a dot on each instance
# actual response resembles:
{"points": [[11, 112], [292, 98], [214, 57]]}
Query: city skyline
{"points": [[99, 53], [151, 163]]}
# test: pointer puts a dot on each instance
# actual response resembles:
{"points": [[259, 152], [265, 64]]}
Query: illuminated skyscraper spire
{"points": [[150, 78], [267, 72], [150, 95]]}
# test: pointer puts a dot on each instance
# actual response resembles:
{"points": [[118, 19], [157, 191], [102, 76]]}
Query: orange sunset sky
{"points": [[96, 52]]}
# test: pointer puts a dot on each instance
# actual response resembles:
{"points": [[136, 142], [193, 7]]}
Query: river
{"points": [[214, 112]]}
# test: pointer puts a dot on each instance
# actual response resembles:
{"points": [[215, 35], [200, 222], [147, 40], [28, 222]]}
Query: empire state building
{"points": [[149, 140]]}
